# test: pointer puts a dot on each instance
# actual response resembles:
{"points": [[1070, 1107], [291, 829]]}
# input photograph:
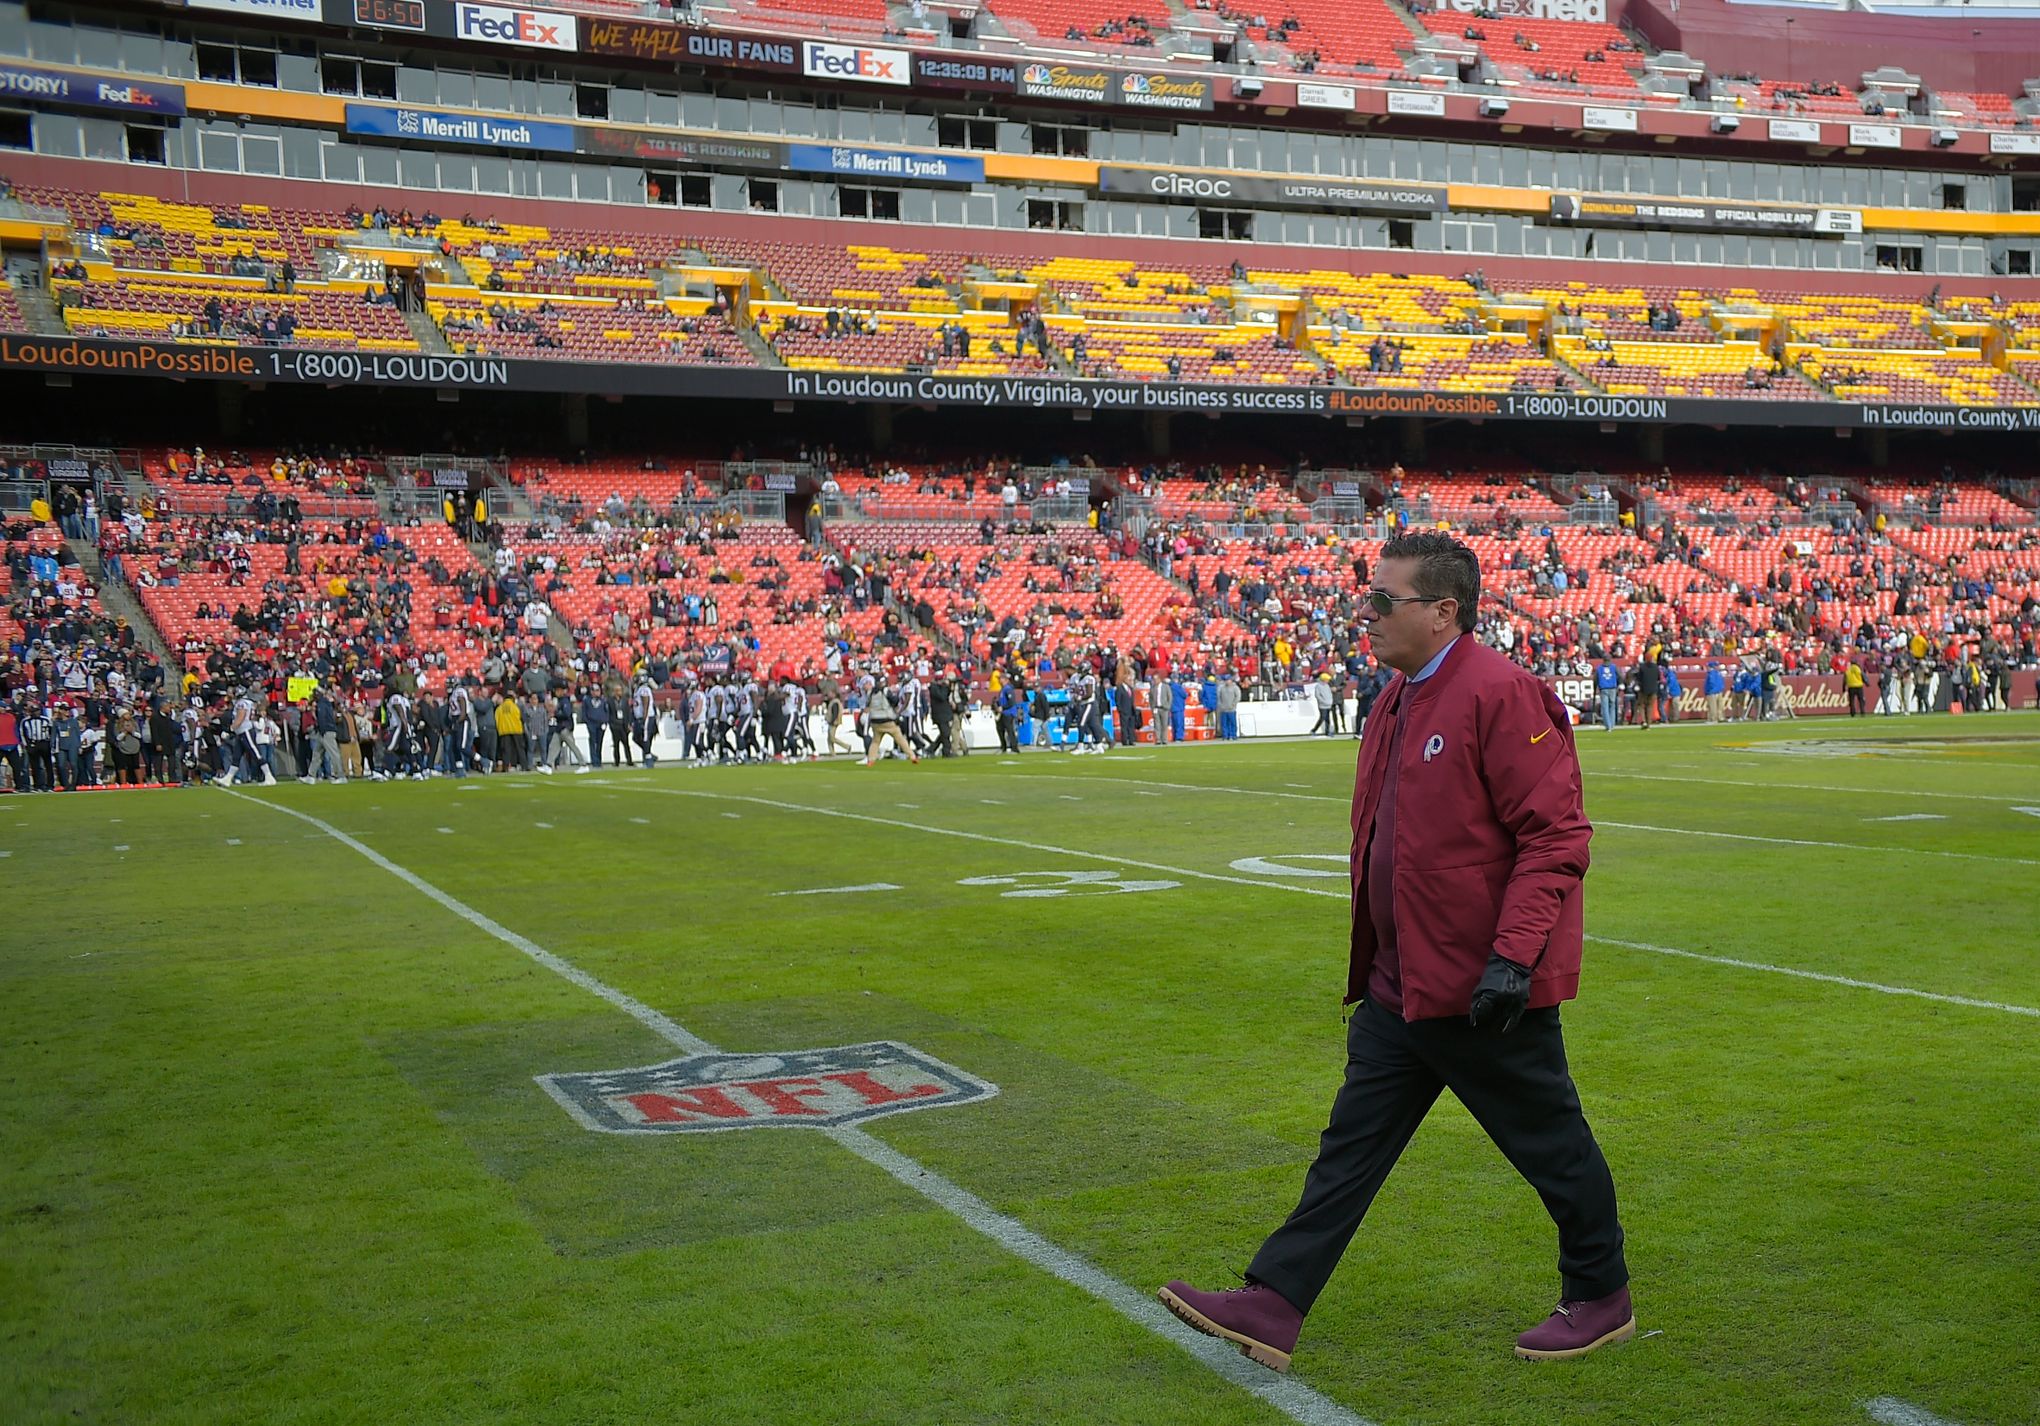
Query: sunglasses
{"points": [[1384, 604]]}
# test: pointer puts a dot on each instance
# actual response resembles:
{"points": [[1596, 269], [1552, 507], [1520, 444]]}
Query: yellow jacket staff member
{"points": [[509, 735]]}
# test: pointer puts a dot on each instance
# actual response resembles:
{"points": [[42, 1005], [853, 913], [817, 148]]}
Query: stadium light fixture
{"points": [[1943, 138], [1493, 108], [1247, 88], [1725, 124]]}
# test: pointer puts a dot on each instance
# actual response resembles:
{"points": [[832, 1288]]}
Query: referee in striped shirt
{"points": [[38, 737]]}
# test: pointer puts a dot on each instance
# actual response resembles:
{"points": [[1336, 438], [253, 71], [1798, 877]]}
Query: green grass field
{"points": [[275, 1153]]}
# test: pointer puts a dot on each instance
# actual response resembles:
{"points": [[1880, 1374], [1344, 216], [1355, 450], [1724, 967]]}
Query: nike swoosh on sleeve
{"points": [[1540, 737]]}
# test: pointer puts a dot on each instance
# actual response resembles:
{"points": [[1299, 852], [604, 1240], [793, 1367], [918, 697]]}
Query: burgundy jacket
{"points": [[1490, 834]]}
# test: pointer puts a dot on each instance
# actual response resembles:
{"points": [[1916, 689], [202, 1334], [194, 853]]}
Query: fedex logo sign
{"points": [[869, 66], [531, 29], [811, 1089]]}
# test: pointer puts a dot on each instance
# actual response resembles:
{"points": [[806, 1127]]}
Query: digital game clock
{"points": [[391, 14]]}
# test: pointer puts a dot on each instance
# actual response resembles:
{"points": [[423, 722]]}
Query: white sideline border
{"points": [[1287, 1395], [1118, 860]]}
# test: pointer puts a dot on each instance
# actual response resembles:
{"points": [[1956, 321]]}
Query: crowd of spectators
{"points": [[410, 641], [76, 683]]}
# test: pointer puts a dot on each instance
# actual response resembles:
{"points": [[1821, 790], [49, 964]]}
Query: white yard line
{"points": [[1275, 885], [1806, 842], [1849, 981], [1592, 775], [1624, 826], [1186, 786], [840, 890], [1596, 773], [878, 821], [1292, 1398], [1892, 1412]]}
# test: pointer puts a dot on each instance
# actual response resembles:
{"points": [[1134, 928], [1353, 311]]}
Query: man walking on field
{"points": [[885, 726], [1469, 845]]}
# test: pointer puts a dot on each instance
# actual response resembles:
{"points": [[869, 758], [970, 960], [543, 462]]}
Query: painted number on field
{"points": [[1065, 883], [1274, 866]]}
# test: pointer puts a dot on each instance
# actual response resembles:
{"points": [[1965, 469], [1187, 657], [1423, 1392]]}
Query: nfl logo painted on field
{"points": [[797, 1089]]}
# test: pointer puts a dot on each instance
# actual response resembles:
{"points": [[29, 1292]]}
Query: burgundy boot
{"points": [[1255, 1316], [1575, 1328]]}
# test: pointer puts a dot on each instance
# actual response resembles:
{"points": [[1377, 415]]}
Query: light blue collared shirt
{"points": [[1432, 667]]}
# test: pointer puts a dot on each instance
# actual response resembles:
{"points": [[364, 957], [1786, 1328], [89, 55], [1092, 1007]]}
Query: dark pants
{"points": [[1858, 704], [1517, 1088], [619, 744]]}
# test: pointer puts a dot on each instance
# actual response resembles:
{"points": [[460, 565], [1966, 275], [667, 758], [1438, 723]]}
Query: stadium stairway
{"points": [[747, 333], [430, 338], [557, 631], [120, 602], [32, 296], [934, 637], [834, 536], [1587, 383], [1202, 600]]}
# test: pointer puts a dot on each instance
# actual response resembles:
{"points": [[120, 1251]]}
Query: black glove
{"points": [[1501, 996]]}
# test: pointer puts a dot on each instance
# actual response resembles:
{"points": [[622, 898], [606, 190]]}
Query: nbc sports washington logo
{"points": [[796, 1089]]}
